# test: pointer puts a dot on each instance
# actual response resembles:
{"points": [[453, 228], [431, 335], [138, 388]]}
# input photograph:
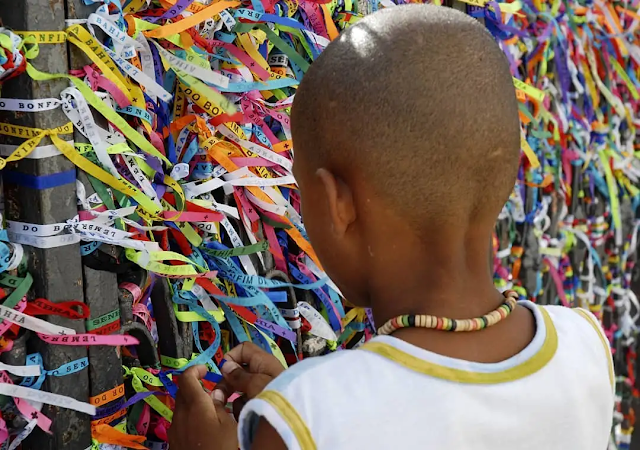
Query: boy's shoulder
{"points": [[301, 394], [576, 331], [582, 337], [574, 319], [320, 369]]}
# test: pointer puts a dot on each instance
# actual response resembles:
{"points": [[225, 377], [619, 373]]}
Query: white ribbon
{"points": [[49, 398]]}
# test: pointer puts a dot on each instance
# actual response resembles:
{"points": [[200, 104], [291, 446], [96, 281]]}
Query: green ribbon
{"points": [[239, 251], [103, 320], [21, 285]]}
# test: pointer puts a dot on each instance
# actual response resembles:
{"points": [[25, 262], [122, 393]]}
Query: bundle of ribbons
{"points": [[186, 160]]}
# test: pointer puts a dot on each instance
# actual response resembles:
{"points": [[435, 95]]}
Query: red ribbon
{"points": [[43, 307], [106, 329]]}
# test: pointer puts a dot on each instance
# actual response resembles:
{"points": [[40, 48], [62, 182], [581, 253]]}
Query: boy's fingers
{"points": [[258, 360], [220, 409], [226, 388], [218, 395], [221, 412], [240, 380], [190, 388]]}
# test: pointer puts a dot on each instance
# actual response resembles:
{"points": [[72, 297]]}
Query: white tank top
{"points": [[556, 394]]}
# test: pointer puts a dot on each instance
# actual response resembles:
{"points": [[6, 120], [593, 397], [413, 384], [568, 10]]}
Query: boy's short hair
{"points": [[417, 101]]}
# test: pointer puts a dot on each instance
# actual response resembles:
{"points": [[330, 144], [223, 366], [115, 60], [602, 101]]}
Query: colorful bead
{"points": [[447, 324]]}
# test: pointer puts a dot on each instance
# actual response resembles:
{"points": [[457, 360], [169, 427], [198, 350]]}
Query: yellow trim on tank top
{"points": [[605, 344], [526, 368], [291, 416]]}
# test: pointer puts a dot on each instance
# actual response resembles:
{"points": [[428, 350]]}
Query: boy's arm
{"points": [[267, 438]]}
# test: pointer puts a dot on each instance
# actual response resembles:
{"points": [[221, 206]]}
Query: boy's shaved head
{"points": [[417, 104]]}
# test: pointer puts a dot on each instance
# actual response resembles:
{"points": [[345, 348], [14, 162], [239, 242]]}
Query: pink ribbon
{"points": [[156, 141], [282, 118], [134, 289], [28, 411], [143, 421], [249, 106], [5, 325], [87, 215], [141, 312], [316, 19], [274, 248], [246, 206], [4, 433], [97, 80], [89, 339], [193, 216], [243, 58], [210, 274], [252, 162], [161, 429], [558, 282]]}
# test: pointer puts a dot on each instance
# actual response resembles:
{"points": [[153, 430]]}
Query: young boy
{"points": [[407, 146]]}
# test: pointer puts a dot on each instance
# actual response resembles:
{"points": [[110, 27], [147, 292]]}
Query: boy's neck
{"points": [[446, 282], [441, 282]]}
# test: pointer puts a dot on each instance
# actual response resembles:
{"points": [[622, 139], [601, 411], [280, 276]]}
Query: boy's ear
{"points": [[342, 211]]}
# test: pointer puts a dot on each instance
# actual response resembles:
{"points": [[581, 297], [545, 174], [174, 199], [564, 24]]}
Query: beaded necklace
{"points": [[446, 324]]}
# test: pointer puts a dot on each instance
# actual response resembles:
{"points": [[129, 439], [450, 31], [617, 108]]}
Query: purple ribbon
{"points": [[495, 19], [563, 71], [277, 329], [108, 410], [172, 12], [157, 64]]}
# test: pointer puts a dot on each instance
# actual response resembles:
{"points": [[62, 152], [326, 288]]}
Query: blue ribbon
{"points": [[207, 355], [235, 324], [35, 359], [258, 85], [40, 182], [256, 16], [324, 298], [86, 249], [190, 152]]}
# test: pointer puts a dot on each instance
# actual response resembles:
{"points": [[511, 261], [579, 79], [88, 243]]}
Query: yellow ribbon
{"points": [[35, 135]]}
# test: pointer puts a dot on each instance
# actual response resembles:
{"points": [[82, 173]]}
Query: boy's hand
{"points": [[198, 422], [259, 369]]}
